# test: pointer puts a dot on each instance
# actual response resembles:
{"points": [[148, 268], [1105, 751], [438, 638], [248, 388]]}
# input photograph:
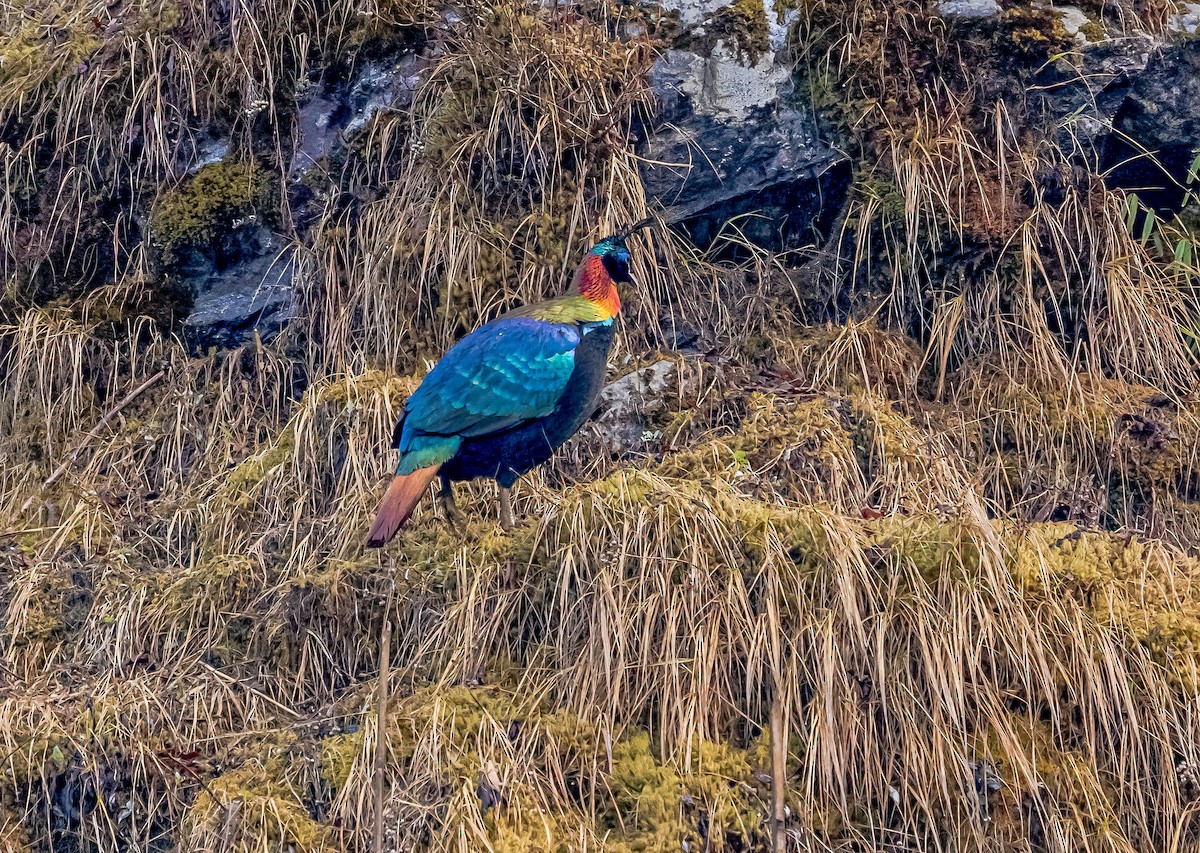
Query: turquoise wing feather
{"points": [[508, 371]]}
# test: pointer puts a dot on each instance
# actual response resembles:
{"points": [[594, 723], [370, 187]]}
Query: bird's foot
{"points": [[506, 516], [449, 508], [453, 515]]}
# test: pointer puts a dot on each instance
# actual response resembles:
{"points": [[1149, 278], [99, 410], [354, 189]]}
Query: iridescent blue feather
{"points": [[506, 372]]}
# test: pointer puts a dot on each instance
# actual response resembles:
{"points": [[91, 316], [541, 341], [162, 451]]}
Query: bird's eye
{"points": [[617, 267]]}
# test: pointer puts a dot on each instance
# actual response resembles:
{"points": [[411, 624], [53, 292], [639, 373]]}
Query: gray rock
{"points": [[1086, 99], [318, 127], [968, 9], [719, 85], [254, 297], [779, 26], [382, 86], [208, 151], [1158, 127], [1186, 20], [628, 403], [326, 118], [692, 12], [728, 144]]}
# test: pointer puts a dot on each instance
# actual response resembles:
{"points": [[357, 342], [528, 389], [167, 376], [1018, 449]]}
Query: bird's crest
{"points": [[635, 228], [616, 242]]}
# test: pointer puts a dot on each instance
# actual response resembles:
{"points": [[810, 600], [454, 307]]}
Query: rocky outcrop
{"points": [[732, 146], [250, 293], [1157, 127], [730, 143], [252, 299], [327, 116]]}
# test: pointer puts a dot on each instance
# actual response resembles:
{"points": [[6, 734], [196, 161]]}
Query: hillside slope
{"points": [[902, 440]]}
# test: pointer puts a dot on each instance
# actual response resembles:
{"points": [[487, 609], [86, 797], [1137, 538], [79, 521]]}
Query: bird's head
{"points": [[615, 257], [605, 266]]}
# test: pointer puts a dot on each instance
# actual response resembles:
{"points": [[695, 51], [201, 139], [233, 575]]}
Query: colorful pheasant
{"points": [[506, 396]]}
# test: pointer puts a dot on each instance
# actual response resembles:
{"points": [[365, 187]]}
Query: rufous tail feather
{"points": [[397, 505]]}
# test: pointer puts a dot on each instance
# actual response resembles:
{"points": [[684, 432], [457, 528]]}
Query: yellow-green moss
{"points": [[1094, 31], [208, 204], [882, 190], [239, 486], [32, 755], [464, 710], [361, 389], [934, 548], [337, 757], [532, 831], [54, 605], [658, 806], [39, 54], [741, 27], [783, 8], [1127, 583], [860, 356], [1034, 33], [1062, 777], [218, 578], [655, 805], [801, 447], [255, 807]]}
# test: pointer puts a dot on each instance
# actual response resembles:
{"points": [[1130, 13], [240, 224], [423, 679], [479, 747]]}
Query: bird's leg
{"points": [[506, 516], [449, 508]]}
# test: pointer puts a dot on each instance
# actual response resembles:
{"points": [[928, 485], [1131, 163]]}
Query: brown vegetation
{"points": [[953, 535]]}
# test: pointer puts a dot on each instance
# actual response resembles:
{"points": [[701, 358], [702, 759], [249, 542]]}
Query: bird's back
{"points": [[506, 454]]}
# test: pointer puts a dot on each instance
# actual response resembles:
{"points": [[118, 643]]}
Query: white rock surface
{"points": [[968, 9], [719, 85], [692, 12], [1074, 19], [625, 404], [779, 29], [1186, 21]]}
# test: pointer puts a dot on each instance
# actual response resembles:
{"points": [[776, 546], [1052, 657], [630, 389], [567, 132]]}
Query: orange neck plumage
{"points": [[593, 282]]}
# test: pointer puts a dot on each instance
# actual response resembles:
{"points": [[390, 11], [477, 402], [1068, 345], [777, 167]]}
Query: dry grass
{"points": [[519, 157], [982, 223], [963, 562]]}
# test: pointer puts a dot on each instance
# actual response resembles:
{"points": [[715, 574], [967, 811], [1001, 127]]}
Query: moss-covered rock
{"points": [[209, 213]]}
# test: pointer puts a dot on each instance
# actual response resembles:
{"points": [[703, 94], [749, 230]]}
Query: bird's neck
{"points": [[594, 284]]}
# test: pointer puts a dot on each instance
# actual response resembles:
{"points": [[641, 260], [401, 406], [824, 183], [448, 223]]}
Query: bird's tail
{"points": [[397, 505]]}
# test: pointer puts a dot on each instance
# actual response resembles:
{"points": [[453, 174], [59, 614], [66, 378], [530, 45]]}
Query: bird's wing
{"points": [[510, 370]]}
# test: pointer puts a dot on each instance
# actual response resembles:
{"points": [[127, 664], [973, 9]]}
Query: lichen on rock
{"points": [[742, 27]]}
